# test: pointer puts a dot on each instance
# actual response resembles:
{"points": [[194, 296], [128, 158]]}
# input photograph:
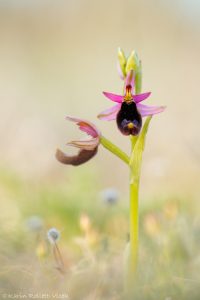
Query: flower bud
{"points": [[41, 250], [85, 223], [122, 62], [138, 79], [132, 63]]}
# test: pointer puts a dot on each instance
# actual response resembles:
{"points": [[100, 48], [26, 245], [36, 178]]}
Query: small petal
{"points": [[114, 97], [121, 75], [85, 126], [86, 144], [110, 113], [141, 97], [130, 80], [76, 160], [146, 110]]}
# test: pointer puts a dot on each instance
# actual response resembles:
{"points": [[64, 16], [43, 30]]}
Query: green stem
{"points": [[135, 170], [131, 251], [138, 79], [133, 256], [114, 149]]}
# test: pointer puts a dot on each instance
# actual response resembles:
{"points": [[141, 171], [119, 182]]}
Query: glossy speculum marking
{"points": [[129, 120]]}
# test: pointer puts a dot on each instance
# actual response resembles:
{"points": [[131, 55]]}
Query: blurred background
{"points": [[56, 58]]}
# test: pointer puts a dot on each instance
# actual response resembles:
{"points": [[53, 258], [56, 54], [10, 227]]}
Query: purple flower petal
{"points": [[141, 97], [146, 110], [114, 97], [85, 126], [110, 113]]}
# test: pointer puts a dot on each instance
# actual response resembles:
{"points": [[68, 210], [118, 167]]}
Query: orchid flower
{"points": [[128, 111], [88, 147]]}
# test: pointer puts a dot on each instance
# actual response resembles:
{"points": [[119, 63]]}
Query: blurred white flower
{"points": [[34, 223], [110, 195]]}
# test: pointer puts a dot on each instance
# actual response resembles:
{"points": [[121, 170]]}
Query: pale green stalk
{"points": [[135, 169], [114, 149], [137, 147], [138, 79], [134, 162], [132, 254]]}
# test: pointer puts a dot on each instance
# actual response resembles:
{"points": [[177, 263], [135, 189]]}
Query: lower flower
{"points": [[87, 147]]}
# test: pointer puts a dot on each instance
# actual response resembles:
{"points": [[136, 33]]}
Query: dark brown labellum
{"points": [[129, 120], [76, 160]]}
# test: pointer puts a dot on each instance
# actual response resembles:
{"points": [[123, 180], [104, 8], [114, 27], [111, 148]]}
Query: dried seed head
{"points": [[53, 235]]}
